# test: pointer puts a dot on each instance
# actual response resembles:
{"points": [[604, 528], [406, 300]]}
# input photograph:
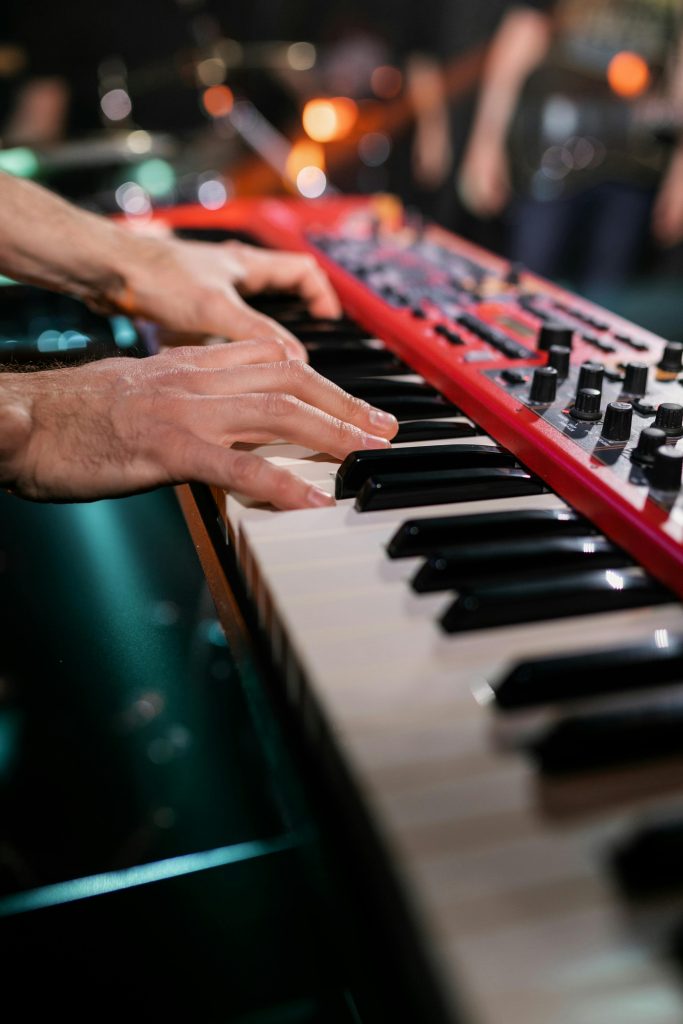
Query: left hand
{"points": [[197, 288]]}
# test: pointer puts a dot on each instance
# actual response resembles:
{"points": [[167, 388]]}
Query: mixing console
{"points": [[586, 400]]}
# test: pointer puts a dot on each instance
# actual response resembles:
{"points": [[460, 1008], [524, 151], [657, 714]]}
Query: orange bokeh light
{"points": [[326, 120], [302, 155], [218, 100], [628, 74]]}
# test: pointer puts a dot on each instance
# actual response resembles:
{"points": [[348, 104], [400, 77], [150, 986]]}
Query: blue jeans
{"points": [[596, 236]]}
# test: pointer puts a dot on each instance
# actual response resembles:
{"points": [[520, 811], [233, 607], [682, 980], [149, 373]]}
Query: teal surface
{"points": [[156, 853]]}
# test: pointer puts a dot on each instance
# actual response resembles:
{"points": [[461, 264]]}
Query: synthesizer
{"points": [[485, 631]]}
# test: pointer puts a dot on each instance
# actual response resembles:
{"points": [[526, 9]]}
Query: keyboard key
{"points": [[401, 490]]}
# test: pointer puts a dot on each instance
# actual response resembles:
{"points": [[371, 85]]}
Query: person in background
{"points": [[123, 425], [562, 80]]}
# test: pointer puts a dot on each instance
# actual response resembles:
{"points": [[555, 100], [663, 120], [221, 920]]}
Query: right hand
{"points": [[484, 179], [122, 425]]}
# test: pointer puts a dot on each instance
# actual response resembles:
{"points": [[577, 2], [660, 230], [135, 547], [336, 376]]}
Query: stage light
{"points": [[327, 120], [311, 182], [116, 105], [218, 100], [212, 194], [628, 74], [386, 82]]}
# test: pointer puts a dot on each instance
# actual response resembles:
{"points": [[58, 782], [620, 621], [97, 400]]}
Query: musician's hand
{"points": [[123, 425], [667, 215], [484, 180], [197, 288]]}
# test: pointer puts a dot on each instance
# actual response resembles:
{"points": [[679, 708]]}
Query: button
{"points": [[635, 378], [555, 334], [666, 470], [617, 424], [587, 405], [651, 438], [543, 386], [515, 376], [590, 376], [670, 419]]}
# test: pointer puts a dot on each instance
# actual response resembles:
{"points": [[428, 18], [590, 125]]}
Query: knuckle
{"points": [[244, 470], [279, 405]]}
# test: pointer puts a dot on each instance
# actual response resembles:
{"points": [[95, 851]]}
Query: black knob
{"points": [[555, 334], [635, 379], [617, 424], [672, 358], [666, 471], [590, 376], [587, 405], [558, 358], [544, 385], [515, 270], [651, 438], [669, 418]]}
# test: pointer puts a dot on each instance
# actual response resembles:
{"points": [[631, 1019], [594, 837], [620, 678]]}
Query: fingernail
{"points": [[371, 441], [382, 419], [319, 499]]}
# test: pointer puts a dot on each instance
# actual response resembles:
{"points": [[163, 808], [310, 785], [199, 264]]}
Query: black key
{"points": [[651, 860], [322, 330], [412, 407], [362, 386], [429, 459], [336, 362], [467, 565], [586, 593], [606, 739], [401, 490], [426, 430], [424, 536], [608, 670]]}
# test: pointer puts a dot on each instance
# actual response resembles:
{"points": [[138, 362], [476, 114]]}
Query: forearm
{"points": [[520, 45], [48, 242]]}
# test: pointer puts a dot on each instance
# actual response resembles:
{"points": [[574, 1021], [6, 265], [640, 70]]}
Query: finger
{"points": [[244, 322], [297, 379], [239, 417], [196, 459], [226, 357], [298, 272]]}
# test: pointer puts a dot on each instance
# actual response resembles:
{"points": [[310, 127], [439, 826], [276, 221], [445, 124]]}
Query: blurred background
{"points": [[546, 131]]}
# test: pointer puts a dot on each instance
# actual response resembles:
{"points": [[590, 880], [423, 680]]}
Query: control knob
{"points": [[558, 358], [587, 405], [650, 440], [590, 376], [635, 379], [618, 419], [666, 471], [544, 385], [671, 363], [555, 334], [669, 418]]}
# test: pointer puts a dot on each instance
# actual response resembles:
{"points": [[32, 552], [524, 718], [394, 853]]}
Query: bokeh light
{"points": [[301, 56], [116, 105], [628, 74], [311, 182], [304, 154], [218, 100], [386, 82], [374, 149], [326, 120]]}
